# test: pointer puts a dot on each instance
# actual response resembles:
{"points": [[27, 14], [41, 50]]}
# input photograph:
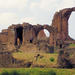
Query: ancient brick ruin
{"points": [[60, 21], [21, 34], [27, 33], [25, 36]]}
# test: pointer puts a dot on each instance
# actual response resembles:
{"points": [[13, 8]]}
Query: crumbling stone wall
{"points": [[66, 58], [60, 22], [41, 35], [5, 59], [28, 34], [58, 31], [3, 40], [25, 33], [19, 35], [4, 37]]}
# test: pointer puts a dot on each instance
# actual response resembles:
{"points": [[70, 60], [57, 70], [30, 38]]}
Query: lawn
{"points": [[72, 45], [49, 60], [37, 71]]}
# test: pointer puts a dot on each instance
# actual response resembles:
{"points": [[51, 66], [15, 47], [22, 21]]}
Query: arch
{"points": [[60, 22], [46, 32], [42, 35], [18, 35], [71, 27], [52, 31]]}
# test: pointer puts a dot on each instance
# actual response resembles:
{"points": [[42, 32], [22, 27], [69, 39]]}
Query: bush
{"points": [[47, 73], [25, 73], [30, 72], [52, 59], [4, 73], [14, 73], [51, 73]]}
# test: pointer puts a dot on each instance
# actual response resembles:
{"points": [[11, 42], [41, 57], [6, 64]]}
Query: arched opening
{"points": [[60, 45], [47, 33], [44, 41], [43, 34], [71, 26], [19, 35]]}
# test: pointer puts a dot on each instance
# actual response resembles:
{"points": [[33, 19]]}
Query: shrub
{"points": [[4, 73], [51, 72], [25, 73], [30, 72], [47, 73], [14, 73], [52, 59]]}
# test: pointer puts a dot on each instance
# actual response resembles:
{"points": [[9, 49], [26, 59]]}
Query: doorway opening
{"points": [[47, 33], [60, 45], [31, 40], [19, 36], [43, 34]]}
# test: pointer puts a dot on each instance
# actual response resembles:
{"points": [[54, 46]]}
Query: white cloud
{"points": [[53, 4], [34, 5], [47, 4], [19, 4], [30, 20], [66, 4], [7, 19], [44, 4]]}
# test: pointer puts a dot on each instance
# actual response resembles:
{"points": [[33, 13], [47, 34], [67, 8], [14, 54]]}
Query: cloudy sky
{"points": [[34, 12]]}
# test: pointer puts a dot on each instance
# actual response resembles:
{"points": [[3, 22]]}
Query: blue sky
{"points": [[33, 12]]}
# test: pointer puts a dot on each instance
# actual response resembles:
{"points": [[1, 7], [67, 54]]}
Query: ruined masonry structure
{"points": [[22, 34], [19, 35], [60, 21]]}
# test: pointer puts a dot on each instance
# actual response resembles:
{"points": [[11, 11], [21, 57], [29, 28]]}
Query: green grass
{"points": [[30, 57], [37, 71], [72, 45]]}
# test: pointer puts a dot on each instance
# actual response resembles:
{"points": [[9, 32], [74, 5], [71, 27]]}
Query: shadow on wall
{"points": [[19, 36]]}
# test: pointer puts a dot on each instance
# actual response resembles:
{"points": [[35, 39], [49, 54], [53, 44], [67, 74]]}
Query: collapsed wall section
{"points": [[60, 22]]}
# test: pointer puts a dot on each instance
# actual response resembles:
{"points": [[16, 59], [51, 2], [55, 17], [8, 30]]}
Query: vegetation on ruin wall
{"points": [[46, 59], [72, 45], [37, 71]]}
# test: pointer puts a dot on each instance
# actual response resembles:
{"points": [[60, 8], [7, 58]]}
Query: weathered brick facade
{"points": [[60, 21], [25, 37], [20, 34], [24, 33]]}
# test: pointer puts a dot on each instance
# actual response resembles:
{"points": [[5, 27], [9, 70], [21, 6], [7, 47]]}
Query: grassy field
{"points": [[37, 71], [72, 45], [46, 59], [49, 60]]}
